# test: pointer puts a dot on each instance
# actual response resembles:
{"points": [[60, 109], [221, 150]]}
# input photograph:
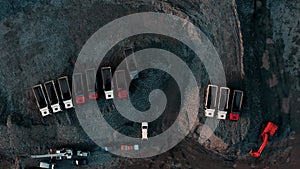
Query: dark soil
{"points": [[41, 40]]}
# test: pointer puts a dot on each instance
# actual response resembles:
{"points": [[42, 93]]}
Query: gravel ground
{"points": [[41, 40]]}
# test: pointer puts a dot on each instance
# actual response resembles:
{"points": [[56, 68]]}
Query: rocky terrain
{"points": [[258, 43]]}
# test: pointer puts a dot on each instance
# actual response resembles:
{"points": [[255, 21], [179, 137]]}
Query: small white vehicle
{"points": [[136, 147], [82, 153], [144, 130], [46, 165]]}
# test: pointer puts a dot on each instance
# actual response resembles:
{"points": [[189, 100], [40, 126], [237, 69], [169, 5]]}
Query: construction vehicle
{"points": [[210, 100], [46, 165], [236, 105], [58, 154], [107, 82], [65, 92], [269, 130], [121, 84], [223, 102], [144, 130], [41, 100], [52, 96], [92, 84], [131, 62], [78, 88]]}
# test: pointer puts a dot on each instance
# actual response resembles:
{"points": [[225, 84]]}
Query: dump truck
{"points": [[92, 84], [78, 88], [41, 100], [107, 82], [236, 105], [210, 100], [121, 84], [65, 92], [223, 102], [131, 62], [268, 131], [52, 96]]}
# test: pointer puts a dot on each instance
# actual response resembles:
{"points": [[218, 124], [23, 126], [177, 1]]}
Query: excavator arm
{"points": [[269, 130]]}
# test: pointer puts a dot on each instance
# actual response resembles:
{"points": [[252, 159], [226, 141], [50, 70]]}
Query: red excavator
{"points": [[269, 130]]}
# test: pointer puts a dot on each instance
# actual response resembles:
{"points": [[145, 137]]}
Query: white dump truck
{"points": [[41, 100], [52, 96], [65, 92], [210, 100], [223, 102], [107, 82]]}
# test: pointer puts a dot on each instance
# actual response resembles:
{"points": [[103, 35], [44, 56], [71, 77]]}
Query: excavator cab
{"points": [[269, 130]]}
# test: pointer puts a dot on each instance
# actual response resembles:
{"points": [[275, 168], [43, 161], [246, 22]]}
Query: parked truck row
{"points": [[218, 101]]}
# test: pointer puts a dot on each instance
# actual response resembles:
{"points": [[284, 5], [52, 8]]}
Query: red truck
{"points": [[78, 88], [236, 105], [121, 84], [92, 84]]}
